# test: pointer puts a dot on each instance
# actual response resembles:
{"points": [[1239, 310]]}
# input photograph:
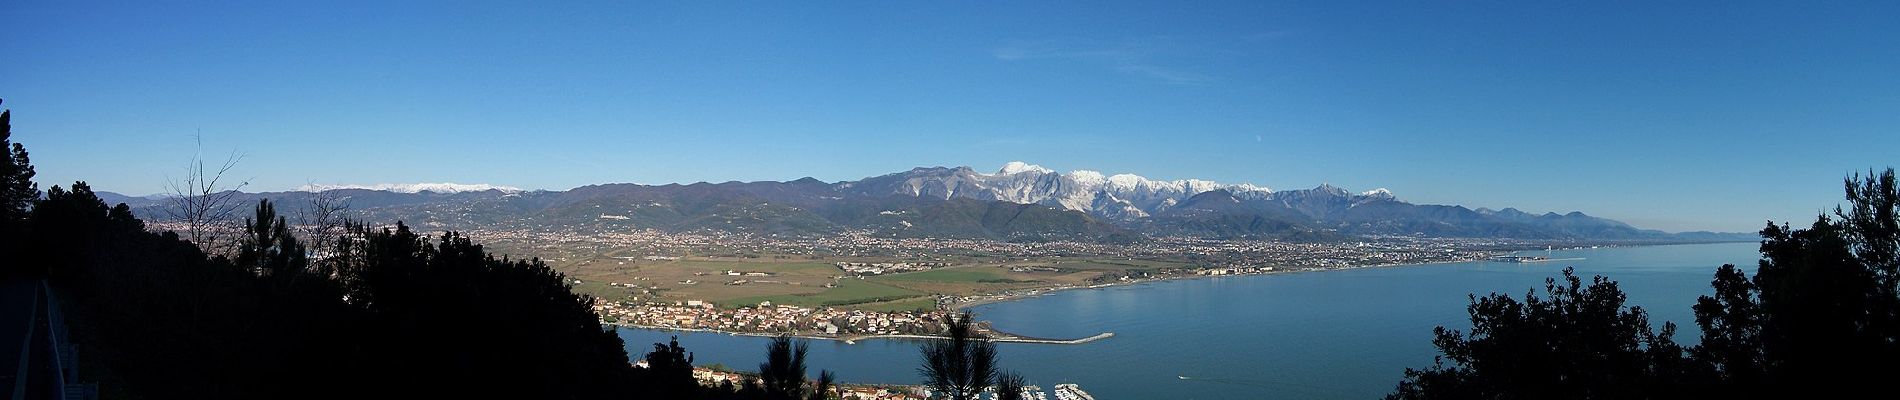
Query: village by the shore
{"points": [[850, 325], [722, 377]]}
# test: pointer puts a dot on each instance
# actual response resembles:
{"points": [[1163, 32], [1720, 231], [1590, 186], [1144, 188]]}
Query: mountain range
{"points": [[1019, 201]]}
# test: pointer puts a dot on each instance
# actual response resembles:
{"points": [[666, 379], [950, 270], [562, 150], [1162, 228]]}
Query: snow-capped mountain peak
{"points": [[444, 187], [1127, 182], [1118, 196], [1017, 167], [1087, 178]]}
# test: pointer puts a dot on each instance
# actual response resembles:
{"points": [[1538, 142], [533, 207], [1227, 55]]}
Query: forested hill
{"points": [[956, 202]]}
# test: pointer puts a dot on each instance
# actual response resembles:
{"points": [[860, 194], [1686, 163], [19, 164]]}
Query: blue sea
{"points": [[1346, 334]]}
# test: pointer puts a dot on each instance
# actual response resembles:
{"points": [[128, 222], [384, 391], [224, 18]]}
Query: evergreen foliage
{"points": [[171, 322], [1821, 317], [1575, 342], [17, 194], [961, 365], [1009, 386], [783, 373], [669, 372], [267, 246], [377, 316], [17, 190]]}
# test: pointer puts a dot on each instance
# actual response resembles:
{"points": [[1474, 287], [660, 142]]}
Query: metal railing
{"points": [[48, 366]]}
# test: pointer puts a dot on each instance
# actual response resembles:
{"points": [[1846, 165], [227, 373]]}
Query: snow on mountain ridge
{"points": [[1380, 192], [1017, 167], [1087, 178], [1116, 196]]}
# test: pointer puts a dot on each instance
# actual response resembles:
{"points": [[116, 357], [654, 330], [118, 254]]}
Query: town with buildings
{"points": [[860, 255], [767, 318], [868, 253], [719, 377]]}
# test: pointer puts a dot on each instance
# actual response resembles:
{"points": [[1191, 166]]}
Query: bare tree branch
{"points": [[203, 204], [322, 220]]}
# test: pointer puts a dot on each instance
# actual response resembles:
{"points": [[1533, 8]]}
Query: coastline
{"points": [[1095, 365], [1007, 337], [992, 299]]}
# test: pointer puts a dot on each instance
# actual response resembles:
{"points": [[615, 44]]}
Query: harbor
{"points": [[1547, 257], [1531, 259], [1061, 391]]}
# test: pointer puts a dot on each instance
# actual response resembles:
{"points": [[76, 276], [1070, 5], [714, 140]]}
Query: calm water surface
{"points": [[1324, 335]]}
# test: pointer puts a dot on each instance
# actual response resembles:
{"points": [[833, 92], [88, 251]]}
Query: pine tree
{"points": [[1009, 386], [17, 190], [267, 247], [1820, 318], [1822, 313], [827, 383], [1577, 341], [783, 372], [669, 372], [961, 365], [17, 195]]}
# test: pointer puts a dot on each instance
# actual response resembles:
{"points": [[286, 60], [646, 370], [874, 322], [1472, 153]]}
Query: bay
{"points": [[1345, 334]]}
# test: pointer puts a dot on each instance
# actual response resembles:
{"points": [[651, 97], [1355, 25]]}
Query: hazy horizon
{"points": [[409, 187], [1675, 117]]}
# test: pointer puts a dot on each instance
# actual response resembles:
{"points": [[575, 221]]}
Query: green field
{"points": [[723, 265], [801, 280], [1108, 264], [949, 275], [599, 290], [848, 292], [924, 303]]}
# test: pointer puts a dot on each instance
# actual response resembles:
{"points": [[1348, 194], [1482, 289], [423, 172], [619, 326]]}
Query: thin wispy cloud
{"points": [[1141, 58], [1166, 74], [1003, 141]]}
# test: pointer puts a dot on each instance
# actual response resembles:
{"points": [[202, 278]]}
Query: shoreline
{"points": [[1009, 338], [1042, 291], [1015, 338]]}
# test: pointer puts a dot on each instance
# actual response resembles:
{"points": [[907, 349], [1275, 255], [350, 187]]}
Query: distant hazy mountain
{"points": [[1017, 202]]}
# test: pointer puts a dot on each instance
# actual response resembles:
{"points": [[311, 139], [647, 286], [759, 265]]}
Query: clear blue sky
{"points": [[1678, 116]]}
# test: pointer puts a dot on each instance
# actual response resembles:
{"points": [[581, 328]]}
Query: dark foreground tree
{"points": [[267, 246], [1820, 319], [782, 375], [17, 190], [402, 316], [17, 194], [669, 372], [1009, 386], [825, 387], [536, 338], [1821, 316], [961, 365], [156, 318], [1575, 342]]}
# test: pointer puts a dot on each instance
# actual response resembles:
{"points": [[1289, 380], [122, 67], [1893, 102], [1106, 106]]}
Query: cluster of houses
{"points": [[1233, 270], [1064, 391], [719, 378], [880, 268], [768, 318]]}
